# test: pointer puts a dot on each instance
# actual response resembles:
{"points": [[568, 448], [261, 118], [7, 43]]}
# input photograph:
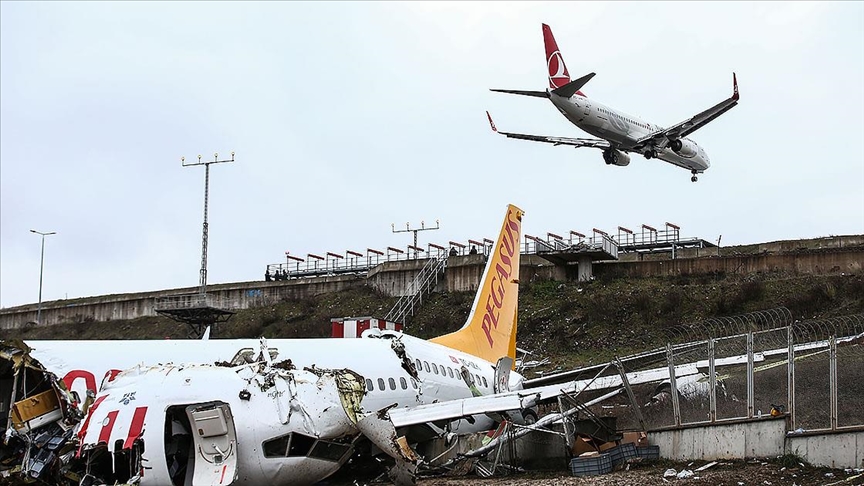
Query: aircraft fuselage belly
{"points": [[623, 131]]}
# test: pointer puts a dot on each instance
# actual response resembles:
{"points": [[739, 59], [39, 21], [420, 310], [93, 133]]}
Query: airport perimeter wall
{"points": [[760, 438], [809, 262], [463, 273]]}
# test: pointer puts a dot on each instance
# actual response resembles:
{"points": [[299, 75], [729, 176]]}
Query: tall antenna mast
{"points": [[203, 274]]}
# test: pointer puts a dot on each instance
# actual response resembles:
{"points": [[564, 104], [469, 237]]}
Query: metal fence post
{"points": [[712, 383], [569, 434], [630, 394], [832, 380], [790, 377], [676, 406], [751, 399]]}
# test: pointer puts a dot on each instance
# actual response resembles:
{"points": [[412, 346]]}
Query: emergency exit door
{"points": [[215, 442]]}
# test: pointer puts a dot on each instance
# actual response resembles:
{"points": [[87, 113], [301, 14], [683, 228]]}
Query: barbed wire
{"points": [[820, 330], [718, 327], [770, 332]]}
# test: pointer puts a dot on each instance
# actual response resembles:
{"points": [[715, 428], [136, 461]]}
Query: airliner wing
{"points": [[455, 409], [690, 125], [525, 398], [574, 142]]}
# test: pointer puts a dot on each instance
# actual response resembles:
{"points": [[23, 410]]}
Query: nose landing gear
{"points": [[650, 154], [694, 178]]}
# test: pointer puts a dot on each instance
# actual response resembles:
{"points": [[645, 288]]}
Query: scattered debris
{"points": [[43, 414], [684, 474], [706, 466]]}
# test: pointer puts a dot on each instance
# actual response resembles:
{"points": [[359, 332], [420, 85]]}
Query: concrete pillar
{"points": [[586, 271]]}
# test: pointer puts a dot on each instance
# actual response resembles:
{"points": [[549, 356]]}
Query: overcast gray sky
{"points": [[347, 117]]}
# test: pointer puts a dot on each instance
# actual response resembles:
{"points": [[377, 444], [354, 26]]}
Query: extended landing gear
{"points": [[694, 178], [650, 154]]}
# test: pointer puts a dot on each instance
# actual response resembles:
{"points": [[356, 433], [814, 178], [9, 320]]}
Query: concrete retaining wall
{"points": [[838, 450], [393, 278], [463, 274], [759, 438], [762, 438], [812, 263], [130, 306]]}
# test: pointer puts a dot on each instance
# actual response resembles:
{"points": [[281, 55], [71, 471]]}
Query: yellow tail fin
{"points": [[490, 332]]}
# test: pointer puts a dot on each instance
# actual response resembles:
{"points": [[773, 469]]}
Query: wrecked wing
{"points": [[456, 409]]}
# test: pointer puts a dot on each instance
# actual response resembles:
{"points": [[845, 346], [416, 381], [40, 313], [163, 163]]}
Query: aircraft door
{"points": [[215, 444], [502, 375]]}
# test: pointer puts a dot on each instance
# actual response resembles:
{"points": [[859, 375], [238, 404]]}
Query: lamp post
{"points": [[41, 266]]}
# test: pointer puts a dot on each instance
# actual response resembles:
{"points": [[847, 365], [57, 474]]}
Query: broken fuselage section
{"points": [[253, 423], [39, 416]]}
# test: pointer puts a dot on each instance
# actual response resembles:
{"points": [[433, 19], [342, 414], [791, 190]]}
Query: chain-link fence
{"points": [[757, 365], [767, 365]]}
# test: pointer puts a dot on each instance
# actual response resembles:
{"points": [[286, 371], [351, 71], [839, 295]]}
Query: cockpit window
{"points": [[299, 445], [277, 447], [329, 451]]}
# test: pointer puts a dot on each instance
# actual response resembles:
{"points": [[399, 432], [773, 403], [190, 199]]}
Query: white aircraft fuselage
{"points": [[264, 416], [623, 130]]}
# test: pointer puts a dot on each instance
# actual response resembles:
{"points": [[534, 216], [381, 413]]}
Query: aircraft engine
{"points": [[683, 147], [616, 157]]}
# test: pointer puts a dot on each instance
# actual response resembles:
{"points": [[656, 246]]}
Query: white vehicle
{"points": [[290, 411], [619, 133]]}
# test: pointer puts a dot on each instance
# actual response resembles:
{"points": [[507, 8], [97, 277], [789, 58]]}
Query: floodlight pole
{"points": [[41, 267], [408, 229], [203, 274]]}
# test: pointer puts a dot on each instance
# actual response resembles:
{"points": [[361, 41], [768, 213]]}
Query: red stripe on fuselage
{"points": [[136, 428], [105, 433], [90, 411]]}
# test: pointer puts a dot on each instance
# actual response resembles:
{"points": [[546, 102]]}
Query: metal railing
{"points": [[535, 245], [423, 283], [359, 263]]}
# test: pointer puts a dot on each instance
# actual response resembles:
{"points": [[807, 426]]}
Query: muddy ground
{"points": [[725, 473]]}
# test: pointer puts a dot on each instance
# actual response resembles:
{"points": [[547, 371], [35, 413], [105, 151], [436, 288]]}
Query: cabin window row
{"points": [[448, 371], [634, 122], [382, 384]]}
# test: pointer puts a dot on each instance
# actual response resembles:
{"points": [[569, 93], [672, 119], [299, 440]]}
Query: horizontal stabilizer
{"points": [[572, 87], [536, 94]]}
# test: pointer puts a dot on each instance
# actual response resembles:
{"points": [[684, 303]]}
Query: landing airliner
{"points": [[618, 132]]}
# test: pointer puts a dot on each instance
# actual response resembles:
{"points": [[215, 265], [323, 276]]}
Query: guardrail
{"points": [[353, 262]]}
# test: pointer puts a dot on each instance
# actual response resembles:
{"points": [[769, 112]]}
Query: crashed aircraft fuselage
{"points": [[290, 426]]}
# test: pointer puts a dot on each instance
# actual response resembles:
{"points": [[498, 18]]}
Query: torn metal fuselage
{"points": [[379, 429], [257, 423], [39, 415]]}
